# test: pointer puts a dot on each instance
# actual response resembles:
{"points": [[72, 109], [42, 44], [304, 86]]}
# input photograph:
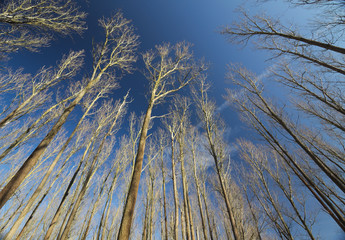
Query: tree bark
{"points": [[128, 212]]}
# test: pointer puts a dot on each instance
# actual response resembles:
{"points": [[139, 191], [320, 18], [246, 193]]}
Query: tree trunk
{"points": [[198, 195], [144, 234], [175, 190], [183, 225], [11, 187], [190, 219], [207, 212], [235, 231], [127, 218], [164, 203], [184, 188]]}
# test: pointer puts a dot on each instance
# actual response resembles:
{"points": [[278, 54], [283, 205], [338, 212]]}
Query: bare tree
{"points": [[119, 109], [193, 143], [122, 161], [116, 51], [257, 109], [105, 117], [180, 112], [100, 94], [312, 68], [42, 81], [27, 24], [270, 194], [162, 144], [75, 148], [167, 75], [216, 147]]}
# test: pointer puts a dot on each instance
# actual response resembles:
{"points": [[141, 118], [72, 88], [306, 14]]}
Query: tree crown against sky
{"points": [[71, 166]]}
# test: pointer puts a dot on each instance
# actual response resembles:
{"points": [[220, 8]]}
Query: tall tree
{"points": [[167, 74], [117, 51], [193, 138], [119, 110], [216, 147], [30, 202], [312, 68], [162, 144]]}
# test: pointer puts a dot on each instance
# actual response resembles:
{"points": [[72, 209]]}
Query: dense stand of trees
{"points": [[101, 177]]}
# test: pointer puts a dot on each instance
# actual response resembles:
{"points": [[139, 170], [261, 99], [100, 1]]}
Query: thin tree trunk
{"points": [[95, 204], [80, 197], [184, 188], [228, 205], [215, 228], [175, 190], [162, 220], [144, 234], [235, 231], [164, 201], [106, 211], [108, 207], [64, 197], [190, 218], [253, 216], [207, 212], [198, 195], [151, 210], [183, 226]]}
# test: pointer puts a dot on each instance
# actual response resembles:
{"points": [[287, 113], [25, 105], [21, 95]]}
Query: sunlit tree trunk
{"points": [[176, 201], [127, 217], [190, 218], [184, 185], [161, 149]]}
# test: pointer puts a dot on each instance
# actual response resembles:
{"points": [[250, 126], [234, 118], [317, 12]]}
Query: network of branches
{"points": [[75, 164]]}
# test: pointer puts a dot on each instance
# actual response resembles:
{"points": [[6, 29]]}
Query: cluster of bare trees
{"points": [[303, 132], [71, 168]]}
